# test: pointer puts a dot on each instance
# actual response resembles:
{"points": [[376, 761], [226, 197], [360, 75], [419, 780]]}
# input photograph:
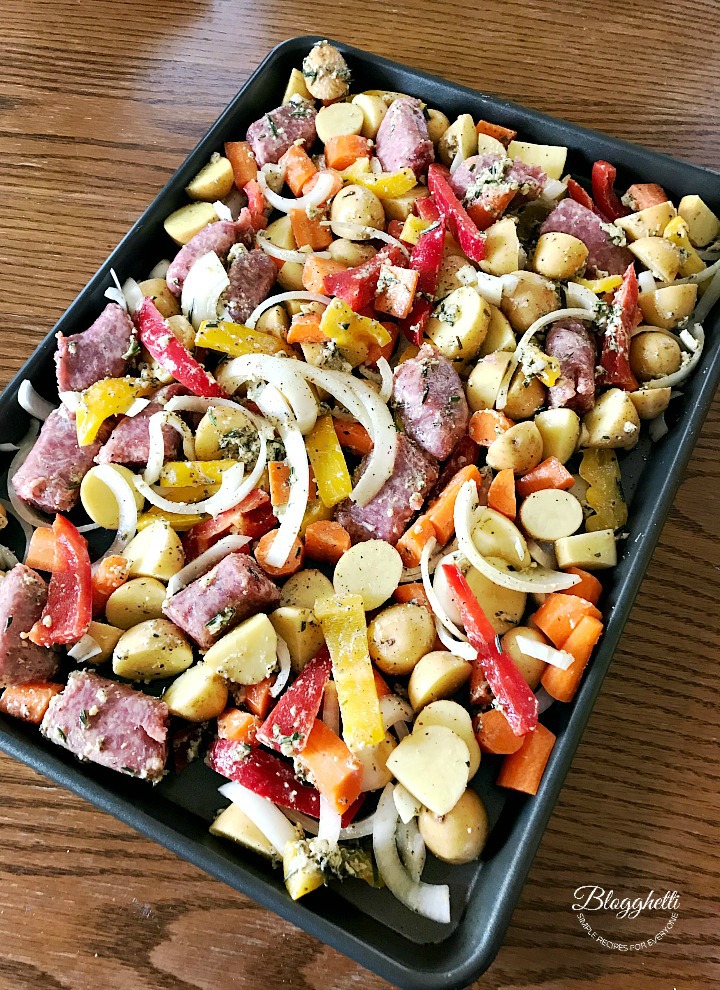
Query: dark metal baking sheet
{"points": [[365, 924]]}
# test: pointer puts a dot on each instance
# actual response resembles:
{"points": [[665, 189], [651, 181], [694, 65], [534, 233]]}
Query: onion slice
{"points": [[127, 509], [544, 700], [386, 376], [658, 428], [156, 451], [133, 295], [370, 233], [395, 709], [85, 649], [203, 286], [317, 195], [710, 272], [32, 403], [359, 830], [283, 254], [196, 568], [283, 655], [435, 602], [429, 900], [270, 820], [160, 270], [541, 651], [531, 579], [283, 373], [411, 847]]}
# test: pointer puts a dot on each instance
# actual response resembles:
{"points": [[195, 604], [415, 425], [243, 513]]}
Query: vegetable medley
{"points": [[356, 445]]}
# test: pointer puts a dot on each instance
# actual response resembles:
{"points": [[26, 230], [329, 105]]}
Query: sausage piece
{"points": [[604, 257], [430, 399], [275, 132], [574, 347], [402, 139], [252, 276], [102, 351], [218, 237], [23, 594]]}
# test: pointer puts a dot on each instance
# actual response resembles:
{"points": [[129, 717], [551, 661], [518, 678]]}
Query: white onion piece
{"points": [[115, 292], [710, 272], [133, 295], [543, 321], [317, 195], [407, 805], [688, 366], [711, 252], [429, 900], [196, 568], [386, 376], [270, 820], [71, 400], [375, 166], [127, 509], [359, 830], [196, 404], [283, 373], [160, 270], [283, 655], [401, 730], [136, 406], [532, 579], [580, 297], [275, 408], [299, 294], [23, 523], [456, 646], [85, 649], [156, 451], [411, 847], [330, 823], [413, 574], [548, 654], [395, 709], [435, 602], [32, 403], [89, 528], [554, 189], [544, 555], [709, 298], [457, 160], [370, 234], [658, 428], [283, 254], [24, 512], [224, 212], [7, 448], [203, 286], [646, 281], [544, 700]]}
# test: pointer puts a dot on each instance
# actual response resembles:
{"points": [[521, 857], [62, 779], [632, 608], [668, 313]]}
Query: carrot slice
{"points": [[353, 436], [381, 685], [316, 269], [589, 588], [412, 594], [494, 735], [441, 512], [279, 474], [309, 232], [239, 726], [562, 684], [111, 574], [560, 614], [336, 773], [41, 552], [305, 329], [522, 771], [335, 188], [486, 425], [326, 541], [29, 702], [411, 543], [241, 157], [643, 195], [344, 149], [258, 698], [299, 168], [501, 493], [291, 565], [550, 473], [502, 134]]}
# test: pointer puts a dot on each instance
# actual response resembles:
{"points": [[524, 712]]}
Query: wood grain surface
{"points": [[99, 103]]}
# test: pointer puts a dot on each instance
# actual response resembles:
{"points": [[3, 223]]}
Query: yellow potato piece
{"points": [[151, 650], [183, 224], [156, 552], [214, 181], [247, 654], [591, 551], [437, 675], [301, 631], [234, 824], [456, 718], [339, 119], [197, 695], [550, 158], [134, 602], [432, 763], [100, 503], [550, 514], [371, 570]]}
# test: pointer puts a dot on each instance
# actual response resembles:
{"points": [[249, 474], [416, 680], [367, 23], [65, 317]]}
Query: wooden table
{"points": [[99, 103]]}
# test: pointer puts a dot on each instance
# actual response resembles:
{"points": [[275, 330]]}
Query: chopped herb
{"points": [[84, 718], [8, 622], [61, 733], [273, 128], [220, 621]]}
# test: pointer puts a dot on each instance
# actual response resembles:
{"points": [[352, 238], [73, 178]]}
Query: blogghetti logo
{"points": [[626, 923]]}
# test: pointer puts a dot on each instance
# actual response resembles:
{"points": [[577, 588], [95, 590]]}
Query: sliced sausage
{"points": [[574, 347], [129, 442], [604, 257], [385, 517], [275, 132], [23, 594], [211, 606], [111, 724], [252, 276], [218, 237], [430, 399], [402, 139], [51, 475], [102, 351], [486, 173]]}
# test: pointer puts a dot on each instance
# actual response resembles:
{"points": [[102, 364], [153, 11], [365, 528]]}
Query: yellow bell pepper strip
{"points": [[387, 184], [179, 521], [108, 397], [328, 463], [413, 227], [356, 170], [343, 623], [186, 474], [601, 285], [600, 468], [316, 512], [236, 340], [190, 494], [677, 232], [351, 332]]}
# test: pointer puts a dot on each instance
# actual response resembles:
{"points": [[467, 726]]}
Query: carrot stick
{"points": [[336, 773], [562, 684], [326, 541], [411, 543], [111, 574], [522, 771], [441, 511], [309, 232], [486, 425], [494, 735], [291, 565], [336, 186], [501, 493], [241, 157], [29, 702], [643, 195], [502, 134], [239, 726], [305, 329], [299, 168], [316, 269], [381, 685], [353, 436], [279, 474], [41, 552], [412, 593], [560, 614], [344, 149], [548, 474], [589, 588], [258, 698]]}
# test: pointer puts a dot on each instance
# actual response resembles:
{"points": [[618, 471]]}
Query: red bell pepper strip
{"points": [[356, 286], [167, 350], [351, 814], [507, 683], [426, 259], [68, 610], [265, 774], [256, 203], [615, 356], [292, 719], [465, 452], [580, 195], [470, 239], [491, 206], [252, 517], [426, 209], [603, 187]]}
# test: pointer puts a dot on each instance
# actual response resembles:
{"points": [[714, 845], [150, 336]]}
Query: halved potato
{"points": [[499, 336], [650, 402], [590, 551], [197, 695], [519, 448], [459, 136], [550, 514], [502, 248], [668, 306], [183, 224], [661, 256], [459, 324], [497, 536], [560, 432], [433, 764], [702, 223], [152, 650], [647, 223], [550, 158], [485, 379], [437, 675], [214, 181], [456, 718], [613, 422]]}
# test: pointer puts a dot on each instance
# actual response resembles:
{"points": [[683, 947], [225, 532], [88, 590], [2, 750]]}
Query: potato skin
{"points": [[525, 396], [136, 601], [355, 204], [654, 354], [531, 298], [519, 448], [399, 636], [436, 675], [460, 835], [152, 650], [559, 255]]}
